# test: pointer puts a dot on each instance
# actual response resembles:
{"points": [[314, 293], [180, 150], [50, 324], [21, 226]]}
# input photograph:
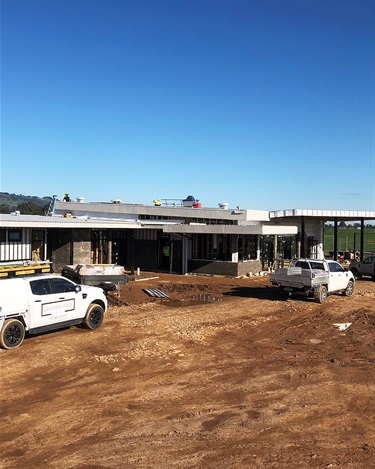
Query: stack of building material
{"points": [[106, 276]]}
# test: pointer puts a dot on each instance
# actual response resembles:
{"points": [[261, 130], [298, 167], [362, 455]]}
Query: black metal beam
{"points": [[303, 237], [335, 233]]}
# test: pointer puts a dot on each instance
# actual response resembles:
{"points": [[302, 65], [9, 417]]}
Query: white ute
{"points": [[313, 278], [43, 302]]}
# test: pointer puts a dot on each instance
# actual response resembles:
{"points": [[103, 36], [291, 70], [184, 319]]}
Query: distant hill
{"points": [[12, 201]]}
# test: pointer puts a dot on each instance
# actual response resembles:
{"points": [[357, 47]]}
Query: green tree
{"points": [[4, 208], [29, 208]]}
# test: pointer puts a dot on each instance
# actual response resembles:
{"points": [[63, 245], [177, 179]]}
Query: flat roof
{"points": [[323, 214], [118, 210], [260, 222], [168, 226], [233, 229], [30, 221]]}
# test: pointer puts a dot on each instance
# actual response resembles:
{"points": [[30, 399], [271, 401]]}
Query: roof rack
{"points": [[18, 268]]}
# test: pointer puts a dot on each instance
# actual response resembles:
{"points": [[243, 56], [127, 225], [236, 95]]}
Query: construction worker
{"points": [[66, 198], [157, 202]]}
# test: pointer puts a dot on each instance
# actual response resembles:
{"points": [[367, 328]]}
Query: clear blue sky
{"points": [[263, 104]]}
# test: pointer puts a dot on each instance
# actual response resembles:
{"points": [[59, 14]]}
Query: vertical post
{"points": [[335, 231], [101, 247], [109, 260], [298, 241], [303, 237], [171, 258], [274, 248], [132, 252], [362, 242], [71, 254], [234, 248], [45, 245], [320, 245]]}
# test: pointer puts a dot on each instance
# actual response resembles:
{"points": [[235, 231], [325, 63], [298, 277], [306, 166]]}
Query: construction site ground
{"points": [[222, 374]]}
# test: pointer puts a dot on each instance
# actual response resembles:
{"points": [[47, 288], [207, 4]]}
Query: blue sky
{"points": [[261, 104]]}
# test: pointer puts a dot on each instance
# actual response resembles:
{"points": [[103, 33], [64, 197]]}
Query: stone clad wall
{"points": [[232, 269], [60, 248], [246, 267], [81, 246], [62, 243]]}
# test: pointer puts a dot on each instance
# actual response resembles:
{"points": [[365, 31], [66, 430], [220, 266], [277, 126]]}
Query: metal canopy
{"points": [[324, 215]]}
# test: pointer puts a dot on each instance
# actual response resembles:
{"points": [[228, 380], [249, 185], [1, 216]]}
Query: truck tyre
{"points": [[12, 334], [321, 295], [284, 295], [349, 289], [94, 317], [356, 273]]}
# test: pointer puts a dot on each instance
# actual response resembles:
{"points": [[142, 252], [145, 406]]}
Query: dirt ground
{"points": [[223, 374]]}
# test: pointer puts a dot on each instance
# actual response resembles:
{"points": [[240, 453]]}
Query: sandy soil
{"points": [[238, 379]]}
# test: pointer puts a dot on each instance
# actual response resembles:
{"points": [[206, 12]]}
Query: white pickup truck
{"points": [[313, 278], [43, 302]]}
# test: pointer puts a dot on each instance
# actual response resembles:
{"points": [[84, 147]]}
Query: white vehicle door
{"points": [[54, 300], [338, 278]]}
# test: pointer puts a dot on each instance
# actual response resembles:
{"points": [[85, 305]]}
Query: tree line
{"points": [[343, 224], [25, 208]]}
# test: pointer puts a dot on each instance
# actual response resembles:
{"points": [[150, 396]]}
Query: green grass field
{"points": [[349, 240]]}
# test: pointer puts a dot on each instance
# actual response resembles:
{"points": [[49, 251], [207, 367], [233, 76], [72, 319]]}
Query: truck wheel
{"points": [[284, 295], [94, 317], [349, 289], [321, 295], [12, 334], [356, 273]]}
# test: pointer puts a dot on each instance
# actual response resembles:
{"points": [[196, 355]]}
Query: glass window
{"points": [[247, 247], [212, 247], [40, 287], [61, 285], [369, 260], [15, 235], [335, 267]]}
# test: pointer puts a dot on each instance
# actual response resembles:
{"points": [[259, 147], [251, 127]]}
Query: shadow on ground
{"points": [[261, 293]]}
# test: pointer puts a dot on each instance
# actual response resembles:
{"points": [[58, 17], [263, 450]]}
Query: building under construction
{"points": [[177, 236]]}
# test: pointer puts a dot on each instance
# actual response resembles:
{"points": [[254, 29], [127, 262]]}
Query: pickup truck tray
{"points": [[298, 278], [106, 276]]}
